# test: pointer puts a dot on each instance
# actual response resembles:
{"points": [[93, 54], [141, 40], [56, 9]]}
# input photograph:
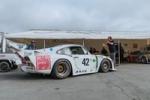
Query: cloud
{"points": [[101, 15]]}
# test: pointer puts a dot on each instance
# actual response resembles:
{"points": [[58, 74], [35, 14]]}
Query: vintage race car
{"points": [[64, 60]]}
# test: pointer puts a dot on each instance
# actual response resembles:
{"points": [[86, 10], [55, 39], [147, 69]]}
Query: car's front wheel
{"points": [[105, 66], [61, 69]]}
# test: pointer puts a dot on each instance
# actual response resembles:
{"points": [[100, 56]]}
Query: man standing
{"points": [[111, 47], [32, 46]]}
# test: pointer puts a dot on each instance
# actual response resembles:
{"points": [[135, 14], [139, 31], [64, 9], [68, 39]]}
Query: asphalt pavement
{"points": [[129, 82]]}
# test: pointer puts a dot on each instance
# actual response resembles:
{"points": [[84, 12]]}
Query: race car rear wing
{"points": [[7, 44]]}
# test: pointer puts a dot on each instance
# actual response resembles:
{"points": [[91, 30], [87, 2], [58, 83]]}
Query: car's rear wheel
{"points": [[105, 66], [4, 66], [61, 69], [143, 60]]}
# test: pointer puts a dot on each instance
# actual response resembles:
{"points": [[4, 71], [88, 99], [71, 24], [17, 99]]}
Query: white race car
{"points": [[64, 60]]}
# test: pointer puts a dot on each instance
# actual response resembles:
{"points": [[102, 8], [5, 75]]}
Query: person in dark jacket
{"points": [[111, 47], [32, 46]]}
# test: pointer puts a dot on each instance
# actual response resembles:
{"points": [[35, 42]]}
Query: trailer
{"points": [[8, 60]]}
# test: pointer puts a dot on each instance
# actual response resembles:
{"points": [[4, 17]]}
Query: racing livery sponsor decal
{"points": [[43, 62], [81, 71]]}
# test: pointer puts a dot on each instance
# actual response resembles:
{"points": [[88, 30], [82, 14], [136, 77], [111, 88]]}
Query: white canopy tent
{"points": [[78, 35]]}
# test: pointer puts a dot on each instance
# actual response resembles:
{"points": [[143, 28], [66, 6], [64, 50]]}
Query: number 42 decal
{"points": [[85, 62]]}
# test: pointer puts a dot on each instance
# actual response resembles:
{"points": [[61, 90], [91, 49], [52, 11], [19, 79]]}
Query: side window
{"points": [[76, 50], [64, 51]]}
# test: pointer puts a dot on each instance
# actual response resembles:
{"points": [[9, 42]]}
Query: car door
{"points": [[84, 62]]}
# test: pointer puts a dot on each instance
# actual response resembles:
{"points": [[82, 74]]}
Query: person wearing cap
{"points": [[111, 47], [32, 45]]}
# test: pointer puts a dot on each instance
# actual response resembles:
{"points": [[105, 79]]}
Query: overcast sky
{"points": [[102, 15]]}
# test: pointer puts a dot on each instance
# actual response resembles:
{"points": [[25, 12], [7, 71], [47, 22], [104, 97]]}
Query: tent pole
{"points": [[44, 44], [148, 41], [83, 42], [119, 52], [3, 42]]}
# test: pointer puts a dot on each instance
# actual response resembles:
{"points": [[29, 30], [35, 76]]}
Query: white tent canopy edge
{"points": [[77, 35]]}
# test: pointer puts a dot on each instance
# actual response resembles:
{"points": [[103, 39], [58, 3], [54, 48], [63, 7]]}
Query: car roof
{"points": [[65, 45], [57, 47]]}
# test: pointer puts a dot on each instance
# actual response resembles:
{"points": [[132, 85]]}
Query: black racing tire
{"points": [[61, 69], [4, 66], [143, 60], [105, 66]]}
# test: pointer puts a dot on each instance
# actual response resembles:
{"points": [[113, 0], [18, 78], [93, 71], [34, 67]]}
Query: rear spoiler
{"points": [[15, 47]]}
